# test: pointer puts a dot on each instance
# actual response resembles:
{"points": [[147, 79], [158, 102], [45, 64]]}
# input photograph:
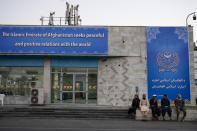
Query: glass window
{"points": [[67, 97], [80, 98], [56, 69], [92, 88], [67, 82], [74, 70], [195, 81], [92, 70], [80, 82], [55, 91], [19, 80]]}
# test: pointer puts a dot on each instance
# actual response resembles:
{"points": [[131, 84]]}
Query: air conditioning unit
{"points": [[37, 96]]}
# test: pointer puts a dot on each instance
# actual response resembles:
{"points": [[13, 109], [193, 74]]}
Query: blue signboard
{"points": [[168, 62], [53, 40]]}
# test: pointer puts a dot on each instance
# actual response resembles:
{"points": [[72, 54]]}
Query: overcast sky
{"points": [[103, 12]]}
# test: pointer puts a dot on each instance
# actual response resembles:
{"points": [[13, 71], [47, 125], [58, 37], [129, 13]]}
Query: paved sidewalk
{"points": [[60, 124]]}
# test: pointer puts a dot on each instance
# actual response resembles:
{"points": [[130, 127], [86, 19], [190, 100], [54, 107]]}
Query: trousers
{"points": [[178, 111], [169, 110]]}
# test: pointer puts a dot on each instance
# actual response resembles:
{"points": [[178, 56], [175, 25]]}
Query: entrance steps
{"points": [[83, 112], [64, 112]]}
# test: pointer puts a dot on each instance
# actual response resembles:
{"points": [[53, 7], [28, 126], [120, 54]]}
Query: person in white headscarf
{"points": [[144, 105]]}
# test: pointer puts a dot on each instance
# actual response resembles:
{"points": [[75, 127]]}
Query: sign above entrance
{"points": [[53, 40]]}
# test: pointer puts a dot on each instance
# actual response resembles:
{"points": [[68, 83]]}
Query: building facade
{"points": [[195, 73], [109, 79]]}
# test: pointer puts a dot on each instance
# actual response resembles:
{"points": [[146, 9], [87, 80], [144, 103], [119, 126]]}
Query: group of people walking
{"points": [[144, 105]]}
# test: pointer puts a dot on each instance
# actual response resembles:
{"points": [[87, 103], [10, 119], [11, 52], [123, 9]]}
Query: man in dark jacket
{"points": [[180, 106], [154, 107], [135, 105], [165, 107]]}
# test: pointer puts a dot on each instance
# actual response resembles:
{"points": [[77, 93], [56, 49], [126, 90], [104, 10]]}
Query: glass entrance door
{"points": [[74, 85], [73, 88], [80, 88], [66, 88]]}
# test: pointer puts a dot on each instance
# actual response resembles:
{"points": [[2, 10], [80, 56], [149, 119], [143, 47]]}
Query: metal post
{"points": [[86, 86], [61, 85], [42, 19], [74, 79], [67, 13]]}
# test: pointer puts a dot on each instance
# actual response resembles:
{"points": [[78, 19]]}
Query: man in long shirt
{"points": [[165, 107], [135, 105], [154, 107], [180, 106]]}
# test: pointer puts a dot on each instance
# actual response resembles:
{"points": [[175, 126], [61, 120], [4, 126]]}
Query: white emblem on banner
{"points": [[182, 34], [167, 61], [152, 33]]}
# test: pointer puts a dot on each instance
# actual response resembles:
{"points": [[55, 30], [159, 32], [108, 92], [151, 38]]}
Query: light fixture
{"points": [[191, 14], [194, 16]]}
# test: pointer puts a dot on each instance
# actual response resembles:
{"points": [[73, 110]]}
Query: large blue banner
{"points": [[53, 40], [168, 62]]}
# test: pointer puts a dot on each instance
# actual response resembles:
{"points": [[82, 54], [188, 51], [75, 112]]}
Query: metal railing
{"points": [[59, 21]]}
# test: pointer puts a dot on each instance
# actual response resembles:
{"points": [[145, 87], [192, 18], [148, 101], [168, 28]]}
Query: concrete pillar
{"points": [[191, 56], [47, 80]]}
